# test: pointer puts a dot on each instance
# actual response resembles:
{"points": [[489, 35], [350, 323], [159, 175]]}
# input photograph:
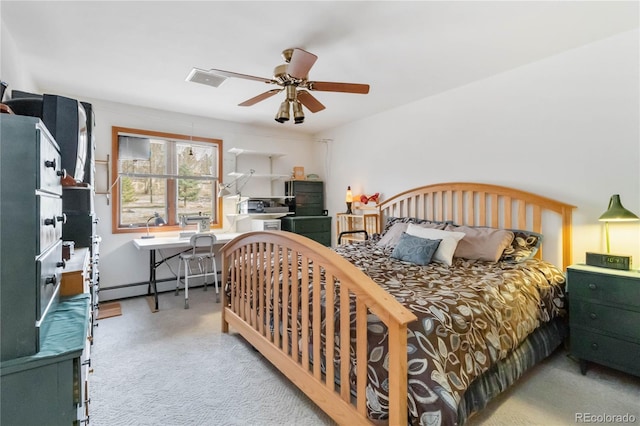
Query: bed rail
{"points": [[479, 204], [294, 315]]}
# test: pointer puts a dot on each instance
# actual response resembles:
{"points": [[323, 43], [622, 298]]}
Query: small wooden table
{"points": [[356, 222]]}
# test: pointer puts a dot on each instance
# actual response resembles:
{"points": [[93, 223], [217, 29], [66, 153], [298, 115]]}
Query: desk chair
{"points": [[202, 254]]}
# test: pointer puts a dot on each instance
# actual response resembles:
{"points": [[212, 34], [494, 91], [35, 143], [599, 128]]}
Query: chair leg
{"points": [[186, 285], [178, 278], [215, 279], [203, 273]]}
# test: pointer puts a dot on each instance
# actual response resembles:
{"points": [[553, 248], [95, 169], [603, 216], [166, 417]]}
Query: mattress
{"points": [[471, 317]]}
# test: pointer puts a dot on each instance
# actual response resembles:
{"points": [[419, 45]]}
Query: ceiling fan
{"points": [[292, 77]]}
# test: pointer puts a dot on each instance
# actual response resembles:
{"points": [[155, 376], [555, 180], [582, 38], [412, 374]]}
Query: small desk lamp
{"points": [[616, 213], [223, 190], [159, 221], [349, 200]]}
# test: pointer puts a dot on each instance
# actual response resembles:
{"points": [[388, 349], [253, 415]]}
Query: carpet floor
{"points": [[175, 367]]}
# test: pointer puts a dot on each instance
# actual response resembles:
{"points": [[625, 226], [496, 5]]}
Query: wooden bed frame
{"points": [[259, 265]]}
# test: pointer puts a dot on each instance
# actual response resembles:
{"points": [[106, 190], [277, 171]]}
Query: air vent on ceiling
{"points": [[205, 77]]}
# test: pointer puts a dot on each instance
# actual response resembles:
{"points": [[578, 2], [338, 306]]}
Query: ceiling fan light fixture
{"points": [[298, 113], [283, 112]]}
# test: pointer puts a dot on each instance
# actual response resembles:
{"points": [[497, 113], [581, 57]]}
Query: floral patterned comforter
{"points": [[470, 315]]}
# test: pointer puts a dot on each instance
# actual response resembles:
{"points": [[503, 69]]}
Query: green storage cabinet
{"points": [[49, 388], [604, 317], [30, 232], [317, 228], [308, 197]]}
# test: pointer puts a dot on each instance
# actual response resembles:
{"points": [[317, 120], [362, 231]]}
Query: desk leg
{"points": [[152, 278]]}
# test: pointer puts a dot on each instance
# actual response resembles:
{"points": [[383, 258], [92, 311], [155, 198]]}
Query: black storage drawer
{"points": [[307, 224], [317, 228], [79, 228], [604, 288]]}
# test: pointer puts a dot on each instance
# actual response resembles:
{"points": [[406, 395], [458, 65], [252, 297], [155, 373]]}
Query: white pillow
{"points": [[447, 246]]}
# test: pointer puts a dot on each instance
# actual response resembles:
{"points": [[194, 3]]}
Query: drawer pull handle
{"points": [[594, 346], [62, 218], [593, 315], [62, 173], [50, 222], [62, 264], [51, 280], [50, 163], [593, 286]]}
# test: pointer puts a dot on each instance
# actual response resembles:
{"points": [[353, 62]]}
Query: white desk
{"points": [[159, 243]]}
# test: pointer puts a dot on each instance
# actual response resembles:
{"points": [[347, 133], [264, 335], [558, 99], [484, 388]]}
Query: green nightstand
{"points": [[604, 317]]}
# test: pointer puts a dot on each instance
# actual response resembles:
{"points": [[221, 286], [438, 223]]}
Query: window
{"points": [[163, 175]]}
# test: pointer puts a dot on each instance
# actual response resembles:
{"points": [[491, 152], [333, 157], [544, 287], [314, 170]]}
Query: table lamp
{"points": [[349, 200], [615, 213], [159, 221]]}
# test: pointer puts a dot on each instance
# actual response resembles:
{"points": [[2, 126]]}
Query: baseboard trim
{"points": [[126, 291]]}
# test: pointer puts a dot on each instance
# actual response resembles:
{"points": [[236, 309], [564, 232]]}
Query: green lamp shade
{"points": [[616, 212]]}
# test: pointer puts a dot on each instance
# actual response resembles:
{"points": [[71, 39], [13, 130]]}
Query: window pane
{"points": [[140, 199], [196, 160], [195, 197]]}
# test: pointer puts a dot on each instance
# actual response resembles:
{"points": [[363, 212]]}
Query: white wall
{"points": [[566, 127], [11, 69]]}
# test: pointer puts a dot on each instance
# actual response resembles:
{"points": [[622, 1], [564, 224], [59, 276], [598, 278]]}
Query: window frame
{"points": [[172, 208]]}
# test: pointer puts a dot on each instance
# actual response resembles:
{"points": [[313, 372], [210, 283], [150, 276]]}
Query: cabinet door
{"points": [[39, 396]]}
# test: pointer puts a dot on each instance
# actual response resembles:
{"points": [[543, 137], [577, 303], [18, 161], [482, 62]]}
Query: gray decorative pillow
{"points": [[392, 235], [415, 249]]}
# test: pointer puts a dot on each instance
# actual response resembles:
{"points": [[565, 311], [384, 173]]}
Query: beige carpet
{"points": [[174, 367]]}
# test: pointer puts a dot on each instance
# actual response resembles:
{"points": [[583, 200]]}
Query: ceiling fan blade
{"points": [[308, 100], [260, 97], [244, 76], [329, 86], [301, 63]]}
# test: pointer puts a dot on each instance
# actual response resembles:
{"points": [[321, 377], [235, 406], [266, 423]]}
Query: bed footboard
{"points": [[305, 309]]}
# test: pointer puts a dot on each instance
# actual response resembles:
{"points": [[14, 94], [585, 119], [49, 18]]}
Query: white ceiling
{"points": [[141, 52]]}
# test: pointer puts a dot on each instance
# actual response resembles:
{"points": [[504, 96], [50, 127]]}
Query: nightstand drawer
{"points": [[620, 322], [604, 287], [606, 350]]}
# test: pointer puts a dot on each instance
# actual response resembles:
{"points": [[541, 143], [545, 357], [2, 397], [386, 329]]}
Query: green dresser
{"points": [[317, 228], [308, 197], [604, 317]]}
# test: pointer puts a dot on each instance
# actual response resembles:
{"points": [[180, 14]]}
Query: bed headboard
{"points": [[479, 204]]}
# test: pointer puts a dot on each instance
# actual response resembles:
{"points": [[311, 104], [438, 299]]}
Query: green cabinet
{"points": [[308, 197], [604, 317], [317, 228], [49, 388], [44, 342]]}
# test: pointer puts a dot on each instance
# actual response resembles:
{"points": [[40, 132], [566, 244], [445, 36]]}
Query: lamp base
{"points": [[348, 209], [146, 237]]}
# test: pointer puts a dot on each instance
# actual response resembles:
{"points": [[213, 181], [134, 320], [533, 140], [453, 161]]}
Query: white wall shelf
{"points": [[241, 151], [273, 176]]}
